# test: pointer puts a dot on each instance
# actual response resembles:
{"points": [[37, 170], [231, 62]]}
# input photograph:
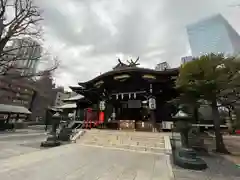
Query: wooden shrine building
{"points": [[131, 97]]}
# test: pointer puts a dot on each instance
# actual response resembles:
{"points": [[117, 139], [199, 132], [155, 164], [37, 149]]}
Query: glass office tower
{"points": [[213, 35]]}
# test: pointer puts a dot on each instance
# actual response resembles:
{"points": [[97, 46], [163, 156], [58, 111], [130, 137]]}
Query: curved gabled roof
{"points": [[74, 98], [67, 106], [173, 71], [5, 108]]}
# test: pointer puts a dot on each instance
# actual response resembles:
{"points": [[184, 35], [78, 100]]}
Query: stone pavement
{"points": [[14, 145], [77, 162], [21, 131], [157, 143], [218, 169], [108, 155]]}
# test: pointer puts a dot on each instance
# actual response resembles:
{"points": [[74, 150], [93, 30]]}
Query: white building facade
{"points": [[162, 66], [60, 96], [186, 59]]}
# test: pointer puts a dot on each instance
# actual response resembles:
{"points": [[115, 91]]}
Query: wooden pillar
{"points": [[8, 118], [47, 118], [27, 117], [102, 108], [17, 118], [153, 120], [152, 107]]}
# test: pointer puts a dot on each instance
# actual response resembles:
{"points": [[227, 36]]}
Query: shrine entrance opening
{"points": [[128, 110], [129, 106]]}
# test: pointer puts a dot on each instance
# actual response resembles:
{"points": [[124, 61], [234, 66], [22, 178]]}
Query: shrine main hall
{"points": [[128, 97]]}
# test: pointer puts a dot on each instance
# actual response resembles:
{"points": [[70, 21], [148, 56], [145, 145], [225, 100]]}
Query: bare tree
{"points": [[20, 20]]}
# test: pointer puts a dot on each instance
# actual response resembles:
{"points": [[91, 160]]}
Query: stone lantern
{"points": [[183, 125], [185, 156], [52, 139]]}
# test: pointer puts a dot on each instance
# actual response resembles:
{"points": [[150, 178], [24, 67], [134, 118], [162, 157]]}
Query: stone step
{"points": [[157, 150], [108, 141], [127, 137], [126, 142], [117, 132], [147, 138], [134, 141], [121, 141]]}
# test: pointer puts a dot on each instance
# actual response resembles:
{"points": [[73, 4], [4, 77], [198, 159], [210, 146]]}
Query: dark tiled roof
{"points": [[4, 108], [130, 70]]}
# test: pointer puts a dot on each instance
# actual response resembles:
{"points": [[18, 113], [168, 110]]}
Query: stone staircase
{"points": [[123, 140]]}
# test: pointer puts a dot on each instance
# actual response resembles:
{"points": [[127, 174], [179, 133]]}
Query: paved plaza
{"points": [[158, 143], [218, 169], [74, 161], [85, 160], [103, 155], [21, 142]]}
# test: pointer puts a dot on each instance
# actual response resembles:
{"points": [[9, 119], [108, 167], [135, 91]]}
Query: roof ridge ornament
{"points": [[130, 63]]}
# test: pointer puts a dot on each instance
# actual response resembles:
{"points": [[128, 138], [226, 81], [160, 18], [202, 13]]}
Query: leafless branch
{"points": [[23, 23]]}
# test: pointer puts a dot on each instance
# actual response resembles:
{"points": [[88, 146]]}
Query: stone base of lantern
{"points": [[187, 158]]}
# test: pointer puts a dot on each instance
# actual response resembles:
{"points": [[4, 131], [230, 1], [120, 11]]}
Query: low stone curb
{"points": [[77, 136], [167, 145], [21, 135], [137, 150]]}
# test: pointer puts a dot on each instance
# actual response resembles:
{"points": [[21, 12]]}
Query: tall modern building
{"points": [[186, 59], [162, 66], [28, 54], [213, 35], [18, 92]]}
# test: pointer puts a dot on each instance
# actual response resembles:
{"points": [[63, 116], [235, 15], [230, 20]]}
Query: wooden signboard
{"points": [[143, 126], [127, 124]]}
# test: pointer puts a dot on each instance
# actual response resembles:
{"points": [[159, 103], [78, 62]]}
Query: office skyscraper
{"points": [[186, 59], [162, 66], [213, 35], [28, 55]]}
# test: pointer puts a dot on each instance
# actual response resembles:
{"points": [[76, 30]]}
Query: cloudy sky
{"points": [[87, 36]]}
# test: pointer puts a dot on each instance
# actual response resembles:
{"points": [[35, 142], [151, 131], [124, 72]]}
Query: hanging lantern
{"points": [[152, 103], [129, 95], [102, 105], [151, 90], [134, 95], [122, 96]]}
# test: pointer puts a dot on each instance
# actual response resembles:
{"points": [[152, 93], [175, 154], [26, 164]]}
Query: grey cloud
{"points": [[73, 32], [142, 27]]}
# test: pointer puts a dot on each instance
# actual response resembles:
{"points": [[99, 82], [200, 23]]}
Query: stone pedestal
{"points": [[187, 158], [52, 141], [127, 124], [65, 134]]}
